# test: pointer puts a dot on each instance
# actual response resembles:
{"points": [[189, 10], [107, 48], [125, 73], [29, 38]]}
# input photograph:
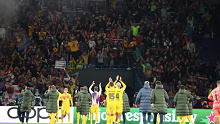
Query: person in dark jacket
{"points": [[181, 101], [18, 102], [198, 104], [78, 107], [126, 106], [84, 99], [159, 101], [189, 106], [51, 106], [26, 103], [143, 98]]}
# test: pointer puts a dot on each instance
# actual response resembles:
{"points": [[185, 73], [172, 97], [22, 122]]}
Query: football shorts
{"points": [[65, 110], [94, 109]]}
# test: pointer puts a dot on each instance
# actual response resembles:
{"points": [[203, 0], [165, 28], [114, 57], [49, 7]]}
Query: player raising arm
{"points": [[214, 96], [119, 98], [66, 98], [111, 101], [95, 101]]}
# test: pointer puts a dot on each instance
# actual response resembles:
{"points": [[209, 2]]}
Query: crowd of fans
{"points": [[161, 36]]}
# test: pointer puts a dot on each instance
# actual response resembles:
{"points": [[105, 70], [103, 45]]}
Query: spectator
{"points": [[37, 99], [155, 41], [159, 101], [135, 29], [205, 105], [143, 98], [99, 57], [190, 46], [192, 89], [198, 104], [189, 30], [167, 44]]}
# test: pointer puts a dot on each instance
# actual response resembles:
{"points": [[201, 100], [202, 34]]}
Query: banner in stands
{"points": [[200, 116], [60, 64], [37, 115]]}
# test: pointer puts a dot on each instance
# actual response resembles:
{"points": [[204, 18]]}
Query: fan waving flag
{"points": [[21, 38], [12, 92]]}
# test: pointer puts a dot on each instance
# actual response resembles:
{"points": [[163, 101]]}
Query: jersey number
{"points": [[117, 95], [111, 95], [216, 97]]}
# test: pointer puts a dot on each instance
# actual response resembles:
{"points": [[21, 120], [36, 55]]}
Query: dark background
{"points": [[87, 76]]}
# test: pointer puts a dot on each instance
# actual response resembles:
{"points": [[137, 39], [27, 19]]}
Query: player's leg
{"points": [[190, 119], [63, 112], [144, 118], [68, 114], [149, 117], [155, 118], [108, 119], [184, 119], [52, 118], [22, 117], [83, 119], [57, 115], [179, 119], [124, 117], [161, 118], [78, 117], [27, 117], [119, 118], [91, 113], [96, 114], [216, 120]]}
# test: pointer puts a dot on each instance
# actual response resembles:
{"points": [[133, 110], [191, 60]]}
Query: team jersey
{"points": [[66, 98], [119, 94], [95, 95], [215, 97], [110, 94]]}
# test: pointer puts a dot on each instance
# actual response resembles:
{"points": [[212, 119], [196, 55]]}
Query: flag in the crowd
{"points": [[9, 74], [21, 38], [12, 92]]}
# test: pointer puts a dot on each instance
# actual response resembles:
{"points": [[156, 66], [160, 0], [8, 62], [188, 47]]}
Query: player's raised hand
{"points": [[120, 79], [117, 77], [110, 79], [93, 83], [100, 84]]}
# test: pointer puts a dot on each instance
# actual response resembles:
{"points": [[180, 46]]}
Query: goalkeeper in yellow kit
{"points": [[111, 101], [119, 98], [66, 99]]}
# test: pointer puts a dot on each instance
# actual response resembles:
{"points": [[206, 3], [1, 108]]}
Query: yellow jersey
{"points": [[119, 93], [110, 94], [74, 46], [66, 99]]}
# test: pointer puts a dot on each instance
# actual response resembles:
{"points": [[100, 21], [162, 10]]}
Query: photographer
{"points": [[37, 99], [26, 103]]}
